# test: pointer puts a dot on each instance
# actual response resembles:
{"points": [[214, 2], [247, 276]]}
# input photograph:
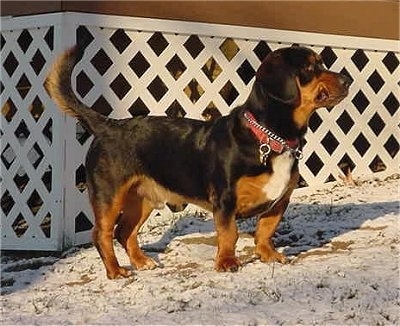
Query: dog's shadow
{"points": [[304, 226]]}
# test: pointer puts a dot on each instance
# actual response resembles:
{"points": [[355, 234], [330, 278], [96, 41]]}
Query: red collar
{"points": [[265, 136]]}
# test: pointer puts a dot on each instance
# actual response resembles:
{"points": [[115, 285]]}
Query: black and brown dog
{"points": [[243, 164]]}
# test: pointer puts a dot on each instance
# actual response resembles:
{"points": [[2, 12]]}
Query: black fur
{"points": [[188, 156], [201, 161]]}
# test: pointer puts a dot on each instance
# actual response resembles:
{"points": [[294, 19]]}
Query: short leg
{"points": [[135, 212], [105, 218], [267, 225], [265, 249], [227, 235]]}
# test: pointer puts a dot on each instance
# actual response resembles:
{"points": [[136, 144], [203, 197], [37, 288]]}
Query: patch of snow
{"points": [[344, 248]]}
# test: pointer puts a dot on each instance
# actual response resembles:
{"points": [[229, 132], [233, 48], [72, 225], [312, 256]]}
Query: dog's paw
{"points": [[120, 272], [227, 264], [144, 263], [269, 255]]}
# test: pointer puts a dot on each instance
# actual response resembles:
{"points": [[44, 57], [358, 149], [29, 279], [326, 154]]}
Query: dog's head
{"points": [[295, 78]]}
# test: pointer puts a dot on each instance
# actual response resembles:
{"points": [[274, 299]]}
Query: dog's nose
{"points": [[345, 80]]}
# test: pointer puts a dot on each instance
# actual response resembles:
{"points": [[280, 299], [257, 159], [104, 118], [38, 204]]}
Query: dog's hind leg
{"points": [[135, 212], [106, 216]]}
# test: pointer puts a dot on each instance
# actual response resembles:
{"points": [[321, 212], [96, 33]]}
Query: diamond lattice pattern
{"points": [[28, 153], [127, 73]]}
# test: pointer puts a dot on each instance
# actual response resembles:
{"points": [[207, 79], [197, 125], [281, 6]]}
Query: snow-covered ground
{"points": [[343, 241]]}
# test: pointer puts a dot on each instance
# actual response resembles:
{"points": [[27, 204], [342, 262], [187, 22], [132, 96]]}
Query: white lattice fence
{"points": [[139, 66], [31, 153]]}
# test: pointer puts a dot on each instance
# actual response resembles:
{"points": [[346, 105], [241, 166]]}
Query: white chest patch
{"points": [[280, 177]]}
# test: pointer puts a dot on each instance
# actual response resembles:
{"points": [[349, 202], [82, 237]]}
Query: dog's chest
{"points": [[278, 181], [253, 191]]}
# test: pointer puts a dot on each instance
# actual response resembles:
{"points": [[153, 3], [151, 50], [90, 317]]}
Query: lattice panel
{"points": [[165, 74], [30, 214], [126, 73], [362, 133], [134, 71]]}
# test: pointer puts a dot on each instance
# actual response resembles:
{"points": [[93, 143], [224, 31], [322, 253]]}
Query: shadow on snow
{"points": [[304, 227]]}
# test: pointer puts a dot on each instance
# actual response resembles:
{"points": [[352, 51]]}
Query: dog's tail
{"points": [[59, 86]]}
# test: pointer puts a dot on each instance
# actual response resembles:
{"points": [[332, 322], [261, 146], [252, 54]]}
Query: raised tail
{"points": [[59, 86]]}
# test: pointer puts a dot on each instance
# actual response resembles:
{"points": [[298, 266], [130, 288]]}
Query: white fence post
{"points": [[65, 39]]}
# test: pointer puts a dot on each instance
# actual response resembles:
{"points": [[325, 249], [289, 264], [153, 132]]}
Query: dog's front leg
{"points": [[227, 236], [268, 223], [266, 227]]}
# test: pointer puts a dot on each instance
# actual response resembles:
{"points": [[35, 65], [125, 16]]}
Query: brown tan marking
{"points": [[322, 91], [267, 224], [249, 192], [265, 249], [314, 58], [307, 106], [135, 212], [106, 217], [130, 208], [227, 235]]}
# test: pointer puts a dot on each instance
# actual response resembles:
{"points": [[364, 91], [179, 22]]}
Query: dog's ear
{"points": [[279, 80]]}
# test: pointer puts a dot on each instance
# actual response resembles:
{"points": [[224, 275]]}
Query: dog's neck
{"points": [[273, 114], [278, 118]]}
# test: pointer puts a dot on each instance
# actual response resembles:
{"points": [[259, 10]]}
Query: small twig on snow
{"points": [[348, 179]]}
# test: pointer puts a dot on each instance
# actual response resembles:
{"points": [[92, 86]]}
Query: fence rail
{"points": [[136, 66]]}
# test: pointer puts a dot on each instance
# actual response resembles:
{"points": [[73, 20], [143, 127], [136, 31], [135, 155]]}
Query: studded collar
{"points": [[269, 141]]}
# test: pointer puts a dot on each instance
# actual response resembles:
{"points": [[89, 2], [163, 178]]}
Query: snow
{"points": [[343, 242]]}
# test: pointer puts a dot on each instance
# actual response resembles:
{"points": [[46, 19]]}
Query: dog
{"points": [[239, 165]]}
